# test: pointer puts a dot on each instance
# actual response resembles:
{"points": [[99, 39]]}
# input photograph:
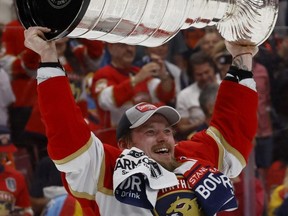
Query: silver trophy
{"points": [[150, 22]]}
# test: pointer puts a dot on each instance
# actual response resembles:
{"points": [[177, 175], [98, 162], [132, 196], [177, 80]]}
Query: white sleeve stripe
{"points": [[45, 73]]}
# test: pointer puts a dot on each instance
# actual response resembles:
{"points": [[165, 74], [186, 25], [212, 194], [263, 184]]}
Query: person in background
{"points": [[207, 99], [173, 70], [264, 140], [208, 41], [14, 195], [48, 195], [191, 38], [120, 85], [278, 202], [204, 71], [222, 58], [7, 11], [7, 97], [63, 205], [21, 64], [46, 176]]}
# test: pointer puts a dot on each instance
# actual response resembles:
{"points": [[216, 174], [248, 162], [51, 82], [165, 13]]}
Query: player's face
{"points": [[156, 139]]}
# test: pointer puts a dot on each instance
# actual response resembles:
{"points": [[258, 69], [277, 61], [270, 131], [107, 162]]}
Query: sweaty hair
{"points": [[125, 140]]}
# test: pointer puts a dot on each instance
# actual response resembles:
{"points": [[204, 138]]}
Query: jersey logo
{"points": [[100, 85], [183, 206], [179, 200], [10, 184], [7, 201]]}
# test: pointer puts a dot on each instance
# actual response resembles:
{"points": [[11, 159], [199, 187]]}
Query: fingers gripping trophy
{"points": [[150, 22]]}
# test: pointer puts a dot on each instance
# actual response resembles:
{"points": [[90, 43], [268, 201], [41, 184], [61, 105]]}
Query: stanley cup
{"points": [[150, 22]]}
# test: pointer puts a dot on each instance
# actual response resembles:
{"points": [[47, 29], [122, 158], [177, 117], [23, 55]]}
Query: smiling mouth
{"points": [[162, 151]]}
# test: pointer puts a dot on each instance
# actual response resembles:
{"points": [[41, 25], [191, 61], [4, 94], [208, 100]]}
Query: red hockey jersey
{"points": [[88, 164]]}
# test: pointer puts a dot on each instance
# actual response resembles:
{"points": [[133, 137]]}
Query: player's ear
{"points": [[122, 144]]}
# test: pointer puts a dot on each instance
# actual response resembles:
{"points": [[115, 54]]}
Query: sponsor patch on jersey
{"points": [[213, 189], [132, 191], [126, 164]]}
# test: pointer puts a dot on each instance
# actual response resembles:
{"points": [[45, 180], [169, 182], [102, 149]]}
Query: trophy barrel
{"points": [[149, 22]]}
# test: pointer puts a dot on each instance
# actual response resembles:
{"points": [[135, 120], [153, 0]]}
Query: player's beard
{"points": [[170, 165]]}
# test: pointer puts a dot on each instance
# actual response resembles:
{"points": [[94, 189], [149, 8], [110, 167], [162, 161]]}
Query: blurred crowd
{"points": [[108, 78]]}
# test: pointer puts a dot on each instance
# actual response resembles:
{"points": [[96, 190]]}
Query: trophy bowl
{"points": [[149, 22]]}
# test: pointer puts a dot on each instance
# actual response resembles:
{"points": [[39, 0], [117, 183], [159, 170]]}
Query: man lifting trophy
{"points": [[150, 173]]}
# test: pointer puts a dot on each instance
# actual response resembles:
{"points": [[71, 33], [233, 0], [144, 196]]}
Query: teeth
{"points": [[162, 150]]}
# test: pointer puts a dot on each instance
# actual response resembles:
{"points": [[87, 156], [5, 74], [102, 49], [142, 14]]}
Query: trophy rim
{"points": [[26, 16]]}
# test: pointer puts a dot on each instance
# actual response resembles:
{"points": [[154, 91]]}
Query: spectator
{"points": [[209, 40], [173, 70], [222, 58], [264, 135], [14, 196], [21, 64], [279, 198], [120, 85], [85, 55], [207, 100], [63, 205], [191, 38], [45, 176], [204, 72], [48, 196], [7, 97], [151, 170], [6, 93], [7, 11]]}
